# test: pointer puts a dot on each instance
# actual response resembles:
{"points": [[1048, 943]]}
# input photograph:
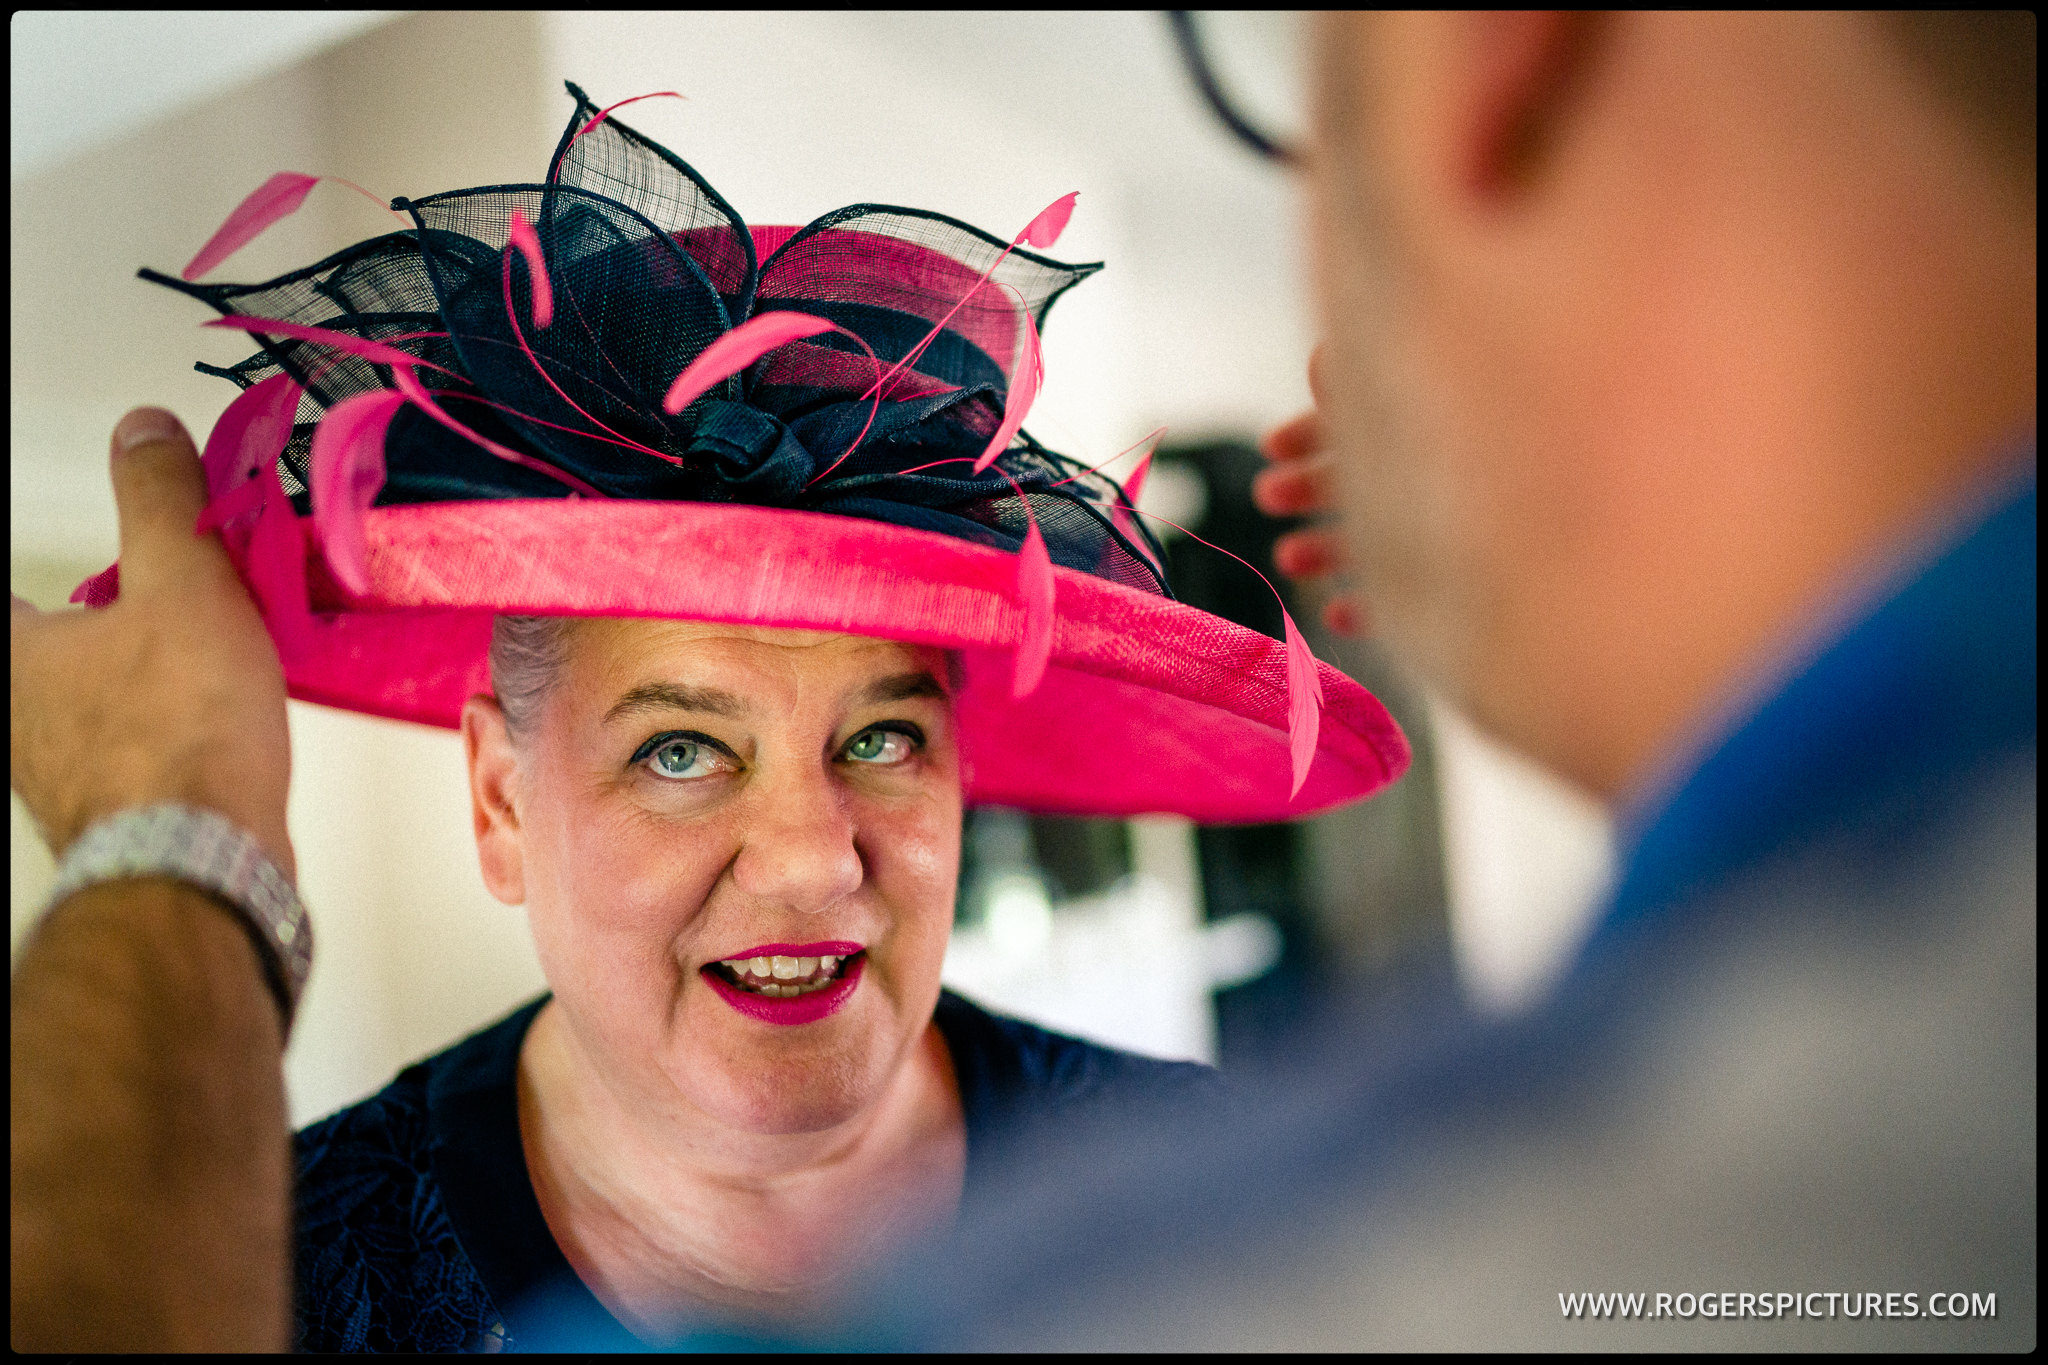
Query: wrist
{"points": [[120, 933], [263, 820], [269, 834], [207, 850]]}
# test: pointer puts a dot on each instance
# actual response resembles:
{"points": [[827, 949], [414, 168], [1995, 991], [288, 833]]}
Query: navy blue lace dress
{"points": [[418, 1230]]}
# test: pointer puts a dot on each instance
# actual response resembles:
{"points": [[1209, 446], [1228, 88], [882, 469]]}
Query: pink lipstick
{"points": [[788, 983]]}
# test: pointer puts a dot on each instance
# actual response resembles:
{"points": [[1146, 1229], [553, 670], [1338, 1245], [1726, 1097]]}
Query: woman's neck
{"points": [[669, 1218]]}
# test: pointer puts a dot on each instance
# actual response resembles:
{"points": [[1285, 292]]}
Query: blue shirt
{"points": [[417, 1228], [1892, 718]]}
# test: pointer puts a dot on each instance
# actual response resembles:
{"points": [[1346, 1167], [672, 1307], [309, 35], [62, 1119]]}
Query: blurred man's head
{"points": [[1646, 330]]}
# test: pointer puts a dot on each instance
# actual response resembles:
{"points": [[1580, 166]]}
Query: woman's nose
{"points": [[798, 852]]}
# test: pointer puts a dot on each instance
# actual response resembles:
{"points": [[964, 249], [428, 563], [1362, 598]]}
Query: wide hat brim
{"points": [[1147, 705]]}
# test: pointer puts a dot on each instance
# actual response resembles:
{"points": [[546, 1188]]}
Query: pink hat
{"points": [[605, 395]]}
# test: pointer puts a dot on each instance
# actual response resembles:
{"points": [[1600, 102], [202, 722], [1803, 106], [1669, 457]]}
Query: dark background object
{"points": [[1358, 894]]}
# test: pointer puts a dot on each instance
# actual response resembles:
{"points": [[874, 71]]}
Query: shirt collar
{"points": [[1903, 693]]}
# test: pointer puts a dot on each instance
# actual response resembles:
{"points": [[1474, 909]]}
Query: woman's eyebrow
{"points": [[902, 687], [663, 696]]}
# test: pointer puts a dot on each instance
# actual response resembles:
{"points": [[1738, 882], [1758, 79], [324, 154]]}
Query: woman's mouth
{"points": [[798, 986], [782, 977]]}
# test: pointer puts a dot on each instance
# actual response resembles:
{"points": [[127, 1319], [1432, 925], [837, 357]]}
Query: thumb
{"points": [[159, 491]]}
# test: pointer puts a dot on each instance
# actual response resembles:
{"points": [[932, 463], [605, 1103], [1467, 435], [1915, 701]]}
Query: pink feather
{"points": [[1134, 486], [326, 336], [1045, 229], [1304, 682], [519, 335], [1023, 392], [1304, 703], [601, 115], [275, 569], [1035, 595], [256, 427], [528, 242], [226, 511], [277, 197], [344, 475], [736, 350], [101, 589], [1134, 482], [409, 384]]}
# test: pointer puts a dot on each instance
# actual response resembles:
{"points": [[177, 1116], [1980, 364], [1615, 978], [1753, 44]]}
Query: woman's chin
{"points": [[766, 1079], [800, 1099]]}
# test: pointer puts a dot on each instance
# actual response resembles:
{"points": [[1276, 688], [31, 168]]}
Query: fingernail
{"points": [[143, 426]]}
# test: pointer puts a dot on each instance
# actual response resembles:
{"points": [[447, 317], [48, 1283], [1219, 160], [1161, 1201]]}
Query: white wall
{"points": [[1527, 857], [84, 78], [411, 951]]}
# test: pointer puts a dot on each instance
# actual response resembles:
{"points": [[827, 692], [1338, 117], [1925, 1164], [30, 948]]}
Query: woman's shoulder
{"points": [[376, 1258], [350, 1164], [1010, 1068], [376, 1263]]}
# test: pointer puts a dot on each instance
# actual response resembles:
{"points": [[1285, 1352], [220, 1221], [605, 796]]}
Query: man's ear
{"points": [[1515, 79], [494, 792]]}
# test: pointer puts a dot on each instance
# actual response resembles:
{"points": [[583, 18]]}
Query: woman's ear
{"points": [[494, 790]]}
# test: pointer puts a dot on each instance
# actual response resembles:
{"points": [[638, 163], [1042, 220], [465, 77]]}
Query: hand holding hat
{"points": [[172, 692]]}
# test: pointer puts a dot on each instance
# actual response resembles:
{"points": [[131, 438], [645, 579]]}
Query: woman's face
{"points": [[690, 799]]}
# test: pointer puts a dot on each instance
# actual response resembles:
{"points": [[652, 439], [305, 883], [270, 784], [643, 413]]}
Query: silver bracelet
{"points": [[211, 852]]}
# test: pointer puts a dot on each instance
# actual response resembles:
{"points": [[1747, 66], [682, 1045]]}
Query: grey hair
{"points": [[527, 655]]}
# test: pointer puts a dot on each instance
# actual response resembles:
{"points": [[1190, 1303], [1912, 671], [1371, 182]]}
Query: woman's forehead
{"points": [[611, 647]]}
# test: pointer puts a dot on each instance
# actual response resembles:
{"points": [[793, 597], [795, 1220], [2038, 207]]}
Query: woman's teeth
{"points": [[783, 976]]}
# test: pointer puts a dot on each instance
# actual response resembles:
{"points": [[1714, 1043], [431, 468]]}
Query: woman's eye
{"points": [[685, 758], [880, 746]]}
